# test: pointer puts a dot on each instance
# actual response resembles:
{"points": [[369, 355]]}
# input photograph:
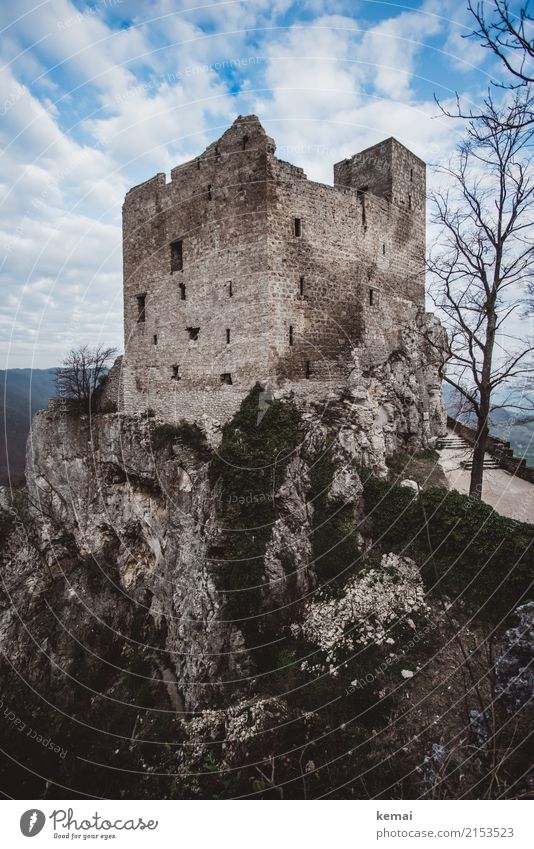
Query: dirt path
{"points": [[507, 494]]}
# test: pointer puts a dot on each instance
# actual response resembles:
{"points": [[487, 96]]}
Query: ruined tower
{"points": [[239, 269]]}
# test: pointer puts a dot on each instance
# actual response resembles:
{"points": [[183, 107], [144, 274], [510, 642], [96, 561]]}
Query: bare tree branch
{"points": [[508, 36], [482, 259], [81, 371]]}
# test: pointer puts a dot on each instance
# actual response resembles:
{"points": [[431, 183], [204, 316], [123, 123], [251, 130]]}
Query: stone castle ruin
{"points": [[240, 269]]}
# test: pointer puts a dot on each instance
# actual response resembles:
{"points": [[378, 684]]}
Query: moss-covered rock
{"points": [[246, 472]]}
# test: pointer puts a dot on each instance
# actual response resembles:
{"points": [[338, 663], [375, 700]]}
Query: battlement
{"points": [[240, 269], [388, 170]]}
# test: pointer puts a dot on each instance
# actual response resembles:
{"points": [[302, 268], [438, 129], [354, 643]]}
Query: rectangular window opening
{"points": [[176, 373], [227, 335], [141, 308], [409, 201], [226, 378], [374, 298], [155, 339], [210, 192], [308, 370], [297, 227], [361, 197], [245, 142], [383, 249], [182, 291], [301, 286], [411, 175], [230, 290], [177, 255], [290, 334], [193, 332]]}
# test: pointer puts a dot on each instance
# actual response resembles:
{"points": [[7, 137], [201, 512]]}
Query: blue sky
{"points": [[96, 97]]}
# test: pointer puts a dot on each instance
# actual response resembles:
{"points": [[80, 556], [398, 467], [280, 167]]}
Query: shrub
{"points": [[463, 545], [189, 434], [107, 407], [192, 436]]}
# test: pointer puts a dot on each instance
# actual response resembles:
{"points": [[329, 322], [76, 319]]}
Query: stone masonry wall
{"points": [[350, 246], [257, 299], [216, 206]]}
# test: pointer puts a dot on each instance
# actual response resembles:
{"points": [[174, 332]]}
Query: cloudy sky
{"points": [[96, 97]]}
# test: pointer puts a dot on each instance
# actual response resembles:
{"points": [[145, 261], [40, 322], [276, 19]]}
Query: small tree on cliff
{"points": [[81, 371], [481, 262]]}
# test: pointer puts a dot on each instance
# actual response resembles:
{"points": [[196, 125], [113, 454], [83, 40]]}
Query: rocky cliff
{"points": [[222, 613]]}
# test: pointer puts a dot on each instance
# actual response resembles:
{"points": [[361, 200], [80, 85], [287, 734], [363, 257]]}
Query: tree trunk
{"points": [[477, 467], [479, 450]]}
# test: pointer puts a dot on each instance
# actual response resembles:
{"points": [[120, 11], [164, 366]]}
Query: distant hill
{"points": [[503, 424], [23, 392], [520, 436]]}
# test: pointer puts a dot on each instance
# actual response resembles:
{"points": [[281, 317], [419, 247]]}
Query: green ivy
{"points": [[335, 547], [247, 470]]}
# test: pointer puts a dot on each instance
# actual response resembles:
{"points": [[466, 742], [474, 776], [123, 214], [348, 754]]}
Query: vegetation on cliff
{"points": [[246, 472], [388, 662]]}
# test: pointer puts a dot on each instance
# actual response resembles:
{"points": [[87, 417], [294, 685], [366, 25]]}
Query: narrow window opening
{"points": [[182, 291], [409, 201], [301, 286], [297, 227], [361, 197], [308, 370], [155, 339], [193, 332], [177, 255], [227, 335], [141, 308], [383, 248], [373, 298], [411, 175], [245, 142], [290, 334], [226, 377], [176, 373], [210, 192], [230, 291]]}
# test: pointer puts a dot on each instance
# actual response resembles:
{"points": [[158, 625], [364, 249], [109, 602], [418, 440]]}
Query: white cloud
{"points": [[60, 216], [90, 108], [329, 96], [389, 49]]}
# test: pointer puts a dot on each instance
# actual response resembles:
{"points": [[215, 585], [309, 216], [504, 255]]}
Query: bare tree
{"points": [[81, 371], [509, 36], [480, 264]]}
